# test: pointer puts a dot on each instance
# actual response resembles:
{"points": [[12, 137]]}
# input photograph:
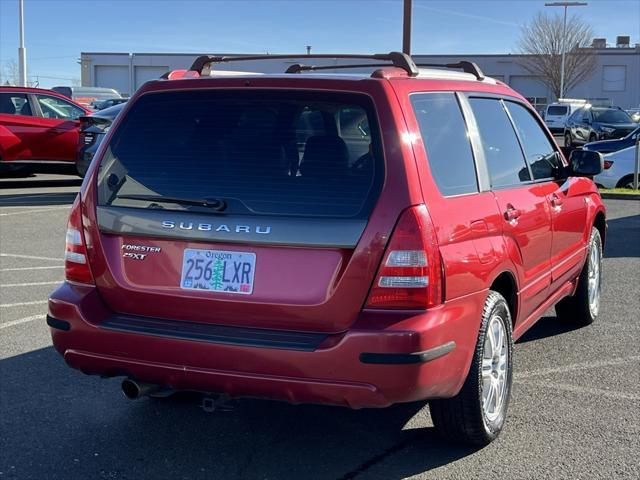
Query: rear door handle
{"points": [[512, 214], [556, 201]]}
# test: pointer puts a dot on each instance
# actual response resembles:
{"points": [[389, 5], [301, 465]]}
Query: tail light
{"points": [[608, 164], [410, 276], [76, 262]]}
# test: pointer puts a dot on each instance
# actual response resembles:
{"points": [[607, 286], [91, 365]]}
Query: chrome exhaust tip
{"points": [[133, 390]]}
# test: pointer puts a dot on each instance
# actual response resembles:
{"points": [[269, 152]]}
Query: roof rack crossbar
{"points": [[301, 67], [464, 65], [202, 64]]}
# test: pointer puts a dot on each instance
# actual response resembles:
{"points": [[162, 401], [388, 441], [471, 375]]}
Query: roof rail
{"points": [[464, 65], [202, 64]]}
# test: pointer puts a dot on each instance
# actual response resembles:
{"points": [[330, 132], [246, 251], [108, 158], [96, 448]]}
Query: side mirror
{"points": [[586, 163]]}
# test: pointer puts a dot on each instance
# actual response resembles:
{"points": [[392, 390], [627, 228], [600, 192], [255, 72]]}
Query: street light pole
{"points": [[406, 28], [22, 52], [564, 34]]}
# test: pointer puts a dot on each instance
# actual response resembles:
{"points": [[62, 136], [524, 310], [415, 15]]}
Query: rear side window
{"points": [[501, 148], [444, 135], [557, 110], [14, 104], [539, 151], [53, 107], [262, 153]]}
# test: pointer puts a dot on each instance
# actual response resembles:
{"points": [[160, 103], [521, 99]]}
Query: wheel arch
{"points": [[624, 180], [506, 284], [600, 223]]}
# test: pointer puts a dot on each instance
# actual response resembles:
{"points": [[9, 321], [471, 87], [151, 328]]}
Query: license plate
{"points": [[218, 271]]}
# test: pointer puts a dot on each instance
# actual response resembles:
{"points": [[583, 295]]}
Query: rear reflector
{"points": [[403, 282], [410, 275], [76, 267]]}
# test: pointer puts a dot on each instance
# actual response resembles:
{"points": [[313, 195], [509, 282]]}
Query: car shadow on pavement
{"points": [[54, 419], [37, 199], [39, 182], [623, 237], [547, 327]]}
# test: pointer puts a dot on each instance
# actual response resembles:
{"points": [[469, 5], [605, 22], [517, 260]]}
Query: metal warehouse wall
{"points": [[128, 71]]}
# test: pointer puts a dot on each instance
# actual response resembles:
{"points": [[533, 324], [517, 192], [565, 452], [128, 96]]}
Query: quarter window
{"points": [[445, 139], [538, 149], [499, 142]]}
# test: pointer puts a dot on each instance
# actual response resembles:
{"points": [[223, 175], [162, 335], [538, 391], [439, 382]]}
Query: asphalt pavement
{"points": [[574, 412]]}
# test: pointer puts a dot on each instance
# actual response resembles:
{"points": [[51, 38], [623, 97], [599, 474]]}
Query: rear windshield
{"points": [[610, 115], [260, 152], [557, 110]]}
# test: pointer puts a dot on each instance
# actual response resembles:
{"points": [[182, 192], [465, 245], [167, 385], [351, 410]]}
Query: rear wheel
{"points": [[477, 414], [582, 307], [626, 182], [592, 138], [568, 143]]}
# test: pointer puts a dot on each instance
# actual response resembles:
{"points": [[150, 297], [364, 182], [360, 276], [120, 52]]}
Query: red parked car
{"points": [[37, 126], [357, 240]]}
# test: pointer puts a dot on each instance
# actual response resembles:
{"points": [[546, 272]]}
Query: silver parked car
{"points": [[618, 169]]}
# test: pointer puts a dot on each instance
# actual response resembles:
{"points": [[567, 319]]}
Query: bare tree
{"points": [[10, 73], [541, 42]]}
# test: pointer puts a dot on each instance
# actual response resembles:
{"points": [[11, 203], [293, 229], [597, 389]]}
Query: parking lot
{"points": [[574, 413]]}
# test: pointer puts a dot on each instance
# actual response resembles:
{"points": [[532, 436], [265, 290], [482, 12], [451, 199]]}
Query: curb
{"points": [[621, 196]]}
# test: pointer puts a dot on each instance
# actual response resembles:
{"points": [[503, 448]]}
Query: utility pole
{"points": [[636, 170], [406, 27], [22, 52], [564, 34]]}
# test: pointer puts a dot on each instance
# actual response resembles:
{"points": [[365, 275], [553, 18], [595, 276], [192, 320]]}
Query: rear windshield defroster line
{"points": [[260, 152]]}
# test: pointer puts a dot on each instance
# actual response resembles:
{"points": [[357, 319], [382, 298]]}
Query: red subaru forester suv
{"points": [[350, 239]]}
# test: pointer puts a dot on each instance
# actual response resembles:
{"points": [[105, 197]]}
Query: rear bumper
{"points": [[386, 357]]}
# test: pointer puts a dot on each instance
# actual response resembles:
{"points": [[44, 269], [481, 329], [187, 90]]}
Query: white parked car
{"points": [[556, 114], [618, 169]]}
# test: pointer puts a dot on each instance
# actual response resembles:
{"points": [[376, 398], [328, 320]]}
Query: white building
{"points": [[616, 78]]}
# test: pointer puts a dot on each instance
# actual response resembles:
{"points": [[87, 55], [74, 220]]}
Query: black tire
{"points": [[577, 309], [568, 142], [81, 170], [626, 182], [462, 419], [593, 138]]}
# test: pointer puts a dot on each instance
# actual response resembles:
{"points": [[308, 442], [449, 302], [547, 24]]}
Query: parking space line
{"points": [[567, 387], [31, 284], [32, 257], [23, 304], [21, 320], [20, 269], [40, 210], [16, 207], [577, 366]]}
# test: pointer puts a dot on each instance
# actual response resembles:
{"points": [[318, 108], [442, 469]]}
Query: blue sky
{"points": [[58, 30]]}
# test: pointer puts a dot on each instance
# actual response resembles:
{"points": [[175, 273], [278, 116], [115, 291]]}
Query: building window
{"points": [[539, 103], [614, 78]]}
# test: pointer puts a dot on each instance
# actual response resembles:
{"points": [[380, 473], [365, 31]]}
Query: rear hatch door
{"points": [[246, 208]]}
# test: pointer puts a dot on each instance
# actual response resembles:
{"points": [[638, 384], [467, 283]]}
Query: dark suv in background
{"points": [[589, 124]]}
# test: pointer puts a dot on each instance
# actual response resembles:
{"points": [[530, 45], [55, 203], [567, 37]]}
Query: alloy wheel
{"points": [[594, 275], [495, 361]]}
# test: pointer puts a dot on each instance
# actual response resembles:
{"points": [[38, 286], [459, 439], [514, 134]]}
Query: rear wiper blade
{"points": [[213, 203]]}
